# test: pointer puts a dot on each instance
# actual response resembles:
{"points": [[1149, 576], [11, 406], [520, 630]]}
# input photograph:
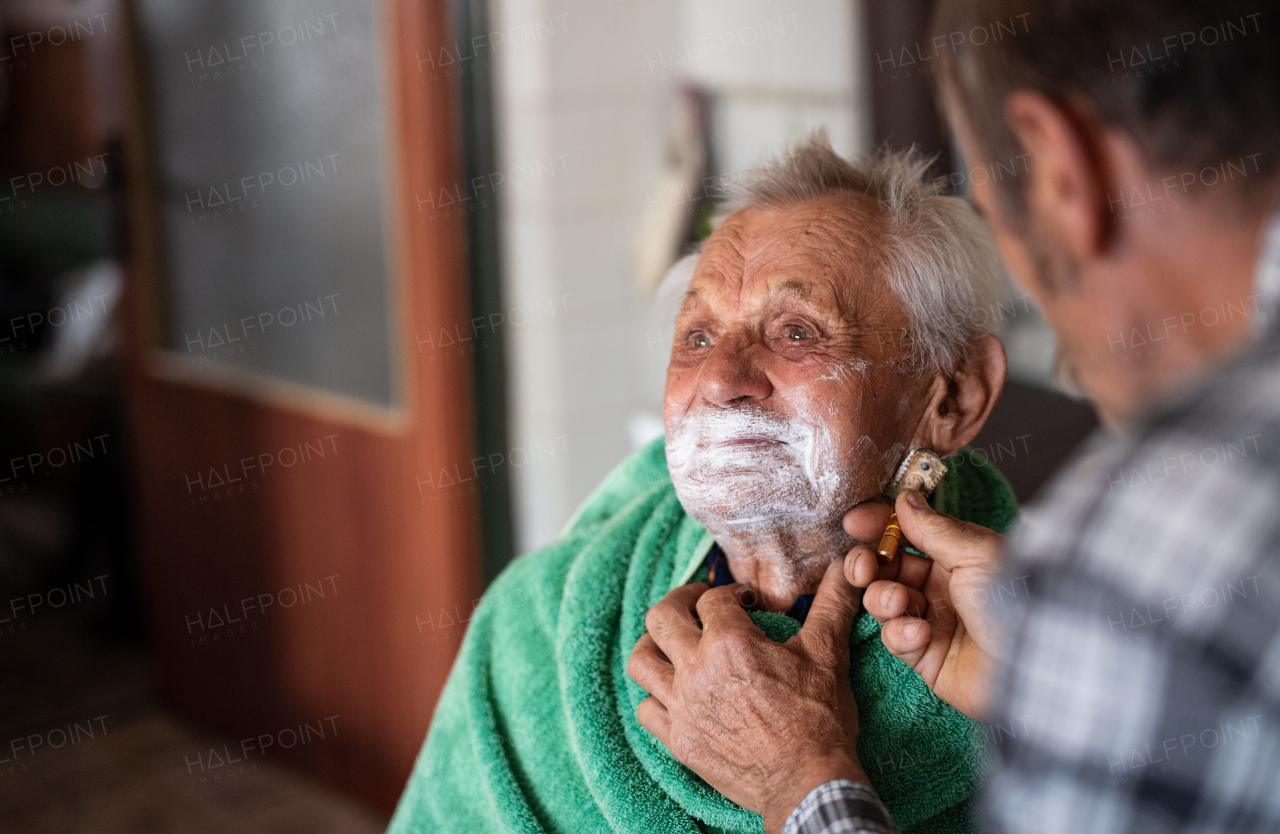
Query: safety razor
{"points": [[921, 470]]}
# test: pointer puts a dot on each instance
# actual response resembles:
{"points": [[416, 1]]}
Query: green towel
{"points": [[536, 730]]}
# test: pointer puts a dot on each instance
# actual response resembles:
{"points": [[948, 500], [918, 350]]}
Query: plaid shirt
{"points": [[1142, 686], [840, 807]]}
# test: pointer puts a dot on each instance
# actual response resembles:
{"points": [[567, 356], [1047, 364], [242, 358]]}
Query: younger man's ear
{"points": [[1068, 173], [960, 404]]}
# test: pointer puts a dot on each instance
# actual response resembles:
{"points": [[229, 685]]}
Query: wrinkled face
{"points": [[789, 394]]}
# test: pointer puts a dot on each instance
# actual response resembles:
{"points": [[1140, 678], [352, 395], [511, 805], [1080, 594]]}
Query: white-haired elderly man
{"points": [[828, 328]]}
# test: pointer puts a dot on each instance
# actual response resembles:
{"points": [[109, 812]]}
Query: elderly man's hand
{"points": [[762, 722], [934, 610]]}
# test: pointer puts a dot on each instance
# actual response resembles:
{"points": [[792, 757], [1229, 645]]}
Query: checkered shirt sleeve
{"points": [[840, 807], [1141, 691]]}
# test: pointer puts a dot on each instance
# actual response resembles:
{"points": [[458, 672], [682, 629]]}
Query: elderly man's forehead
{"points": [[830, 238], [829, 218]]}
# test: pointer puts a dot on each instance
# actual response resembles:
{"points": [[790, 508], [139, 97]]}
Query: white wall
{"points": [[777, 71], [589, 94]]}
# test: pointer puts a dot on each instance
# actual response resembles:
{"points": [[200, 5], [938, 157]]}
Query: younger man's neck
{"points": [[1193, 278]]}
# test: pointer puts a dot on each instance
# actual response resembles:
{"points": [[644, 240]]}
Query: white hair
{"points": [[938, 256]]}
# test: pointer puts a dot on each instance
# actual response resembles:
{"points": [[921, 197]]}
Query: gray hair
{"points": [[938, 255]]}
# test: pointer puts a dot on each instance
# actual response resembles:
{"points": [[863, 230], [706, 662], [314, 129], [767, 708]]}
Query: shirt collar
{"points": [[718, 574]]}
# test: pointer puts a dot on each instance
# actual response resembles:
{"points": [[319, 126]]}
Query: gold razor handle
{"points": [[889, 542], [921, 470]]}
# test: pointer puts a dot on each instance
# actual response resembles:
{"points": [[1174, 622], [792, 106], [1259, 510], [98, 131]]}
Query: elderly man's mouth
{"points": [[750, 441]]}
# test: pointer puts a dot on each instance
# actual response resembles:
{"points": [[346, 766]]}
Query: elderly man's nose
{"points": [[730, 374]]}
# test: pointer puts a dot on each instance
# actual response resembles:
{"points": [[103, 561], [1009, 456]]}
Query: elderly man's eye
{"points": [[699, 339], [796, 333]]}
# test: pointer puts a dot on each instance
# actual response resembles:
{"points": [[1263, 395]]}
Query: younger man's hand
{"points": [[935, 611]]}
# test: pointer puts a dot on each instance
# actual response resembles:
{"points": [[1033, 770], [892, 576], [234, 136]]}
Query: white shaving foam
{"points": [[792, 477]]}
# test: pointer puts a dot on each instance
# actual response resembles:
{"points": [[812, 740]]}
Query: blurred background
{"points": [[313, 315]]}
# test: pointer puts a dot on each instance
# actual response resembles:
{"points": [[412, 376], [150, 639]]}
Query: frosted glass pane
{"points": [[270, 133]]}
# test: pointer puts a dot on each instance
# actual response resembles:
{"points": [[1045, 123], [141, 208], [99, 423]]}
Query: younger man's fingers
{"points": [[906, 638], [889, 600], [948, 541], [861, 566], [913, 570], [864, 566], [866, 521]]}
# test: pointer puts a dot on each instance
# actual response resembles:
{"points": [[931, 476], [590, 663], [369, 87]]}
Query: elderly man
{"points": [[1139, 675], [826, 331]]}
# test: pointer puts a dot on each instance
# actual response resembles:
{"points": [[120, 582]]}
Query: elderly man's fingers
{"points": [[650, 668], [721, 608], [834, 607], [907, 638], [886, 600], [948, 541], [671, 621], [653, 716], [866, 521]]}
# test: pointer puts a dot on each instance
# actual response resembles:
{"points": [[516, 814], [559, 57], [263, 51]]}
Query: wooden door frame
{"points": [[364, 653]]}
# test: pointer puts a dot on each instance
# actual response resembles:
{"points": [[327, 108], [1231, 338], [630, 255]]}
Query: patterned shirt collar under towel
{"points": [[718, 574]]}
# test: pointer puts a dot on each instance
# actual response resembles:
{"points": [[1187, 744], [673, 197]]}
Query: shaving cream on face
{"points": [[739, 466]]}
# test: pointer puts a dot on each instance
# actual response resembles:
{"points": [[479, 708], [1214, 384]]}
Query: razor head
{"points": [[922, 470]]}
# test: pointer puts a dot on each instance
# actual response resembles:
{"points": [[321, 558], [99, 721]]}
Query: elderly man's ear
{"points": [[959, 404]]}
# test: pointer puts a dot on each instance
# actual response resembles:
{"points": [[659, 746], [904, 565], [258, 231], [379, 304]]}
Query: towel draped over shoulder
{"points": [[536, 729]]}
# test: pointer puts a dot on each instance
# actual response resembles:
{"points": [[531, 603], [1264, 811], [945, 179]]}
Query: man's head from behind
{"points": [[1142, 138], [836, 320]]}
